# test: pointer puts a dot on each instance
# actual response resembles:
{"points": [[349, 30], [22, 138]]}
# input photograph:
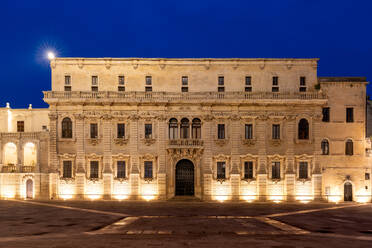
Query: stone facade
{"points": [[252, 129]]}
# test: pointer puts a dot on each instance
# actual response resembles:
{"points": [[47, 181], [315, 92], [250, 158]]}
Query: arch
{"points": [[303, 129], [29, 154], [348, 191], [349, 147], [196, 128], [185, 177], [173, 128], [29, 189], [10, 154], [325, 147], [66, 128], [185, 126]]}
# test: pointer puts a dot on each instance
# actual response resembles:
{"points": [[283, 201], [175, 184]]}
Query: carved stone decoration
{"points": [[162, 64], [249, 142], [106, 117], [149, 142], [275, 142], [53, 116], [94, 142], [289, 64], [80, 63], [263, 117], [208, 117], [236, 64], [53, 63], [235, 117], [135, 64], [134, 117], [79, 116], [207, 64], [314, 65], [191, 153], [221, 142], [121, 141], [108, 63], [262, 64]]}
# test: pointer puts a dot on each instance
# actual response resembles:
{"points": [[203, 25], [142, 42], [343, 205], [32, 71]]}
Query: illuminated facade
{"points": [[217, 129]]}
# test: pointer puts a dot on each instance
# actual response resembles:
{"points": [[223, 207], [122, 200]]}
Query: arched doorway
{"points": [[29, 189], [185, 177], [348, 191]]}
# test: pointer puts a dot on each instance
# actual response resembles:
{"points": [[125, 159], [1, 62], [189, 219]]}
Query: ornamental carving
{"points": [[106, 117], [249, 142], [221, 142], [79, 116], [134, 117], [235, 117], [94, 141], [121, 141], [208, 117], [149, 141], [275, 142], [53, 116], [191, 153]]}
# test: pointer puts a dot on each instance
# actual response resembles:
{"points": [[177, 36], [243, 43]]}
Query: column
{"points": [[162, 146], [262, 158], [134, 176], [107, 157], [80, 156], [235, 158], [317, 170], [290, 173], [206, 166], [53, 159]]}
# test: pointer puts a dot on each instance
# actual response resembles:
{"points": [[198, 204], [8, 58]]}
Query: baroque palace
{"points": [[216, 129]]}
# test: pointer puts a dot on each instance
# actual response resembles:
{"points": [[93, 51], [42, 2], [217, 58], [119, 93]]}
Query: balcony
{"points": [[27, 169], [134, 96], [10, 168], [185, 143]]}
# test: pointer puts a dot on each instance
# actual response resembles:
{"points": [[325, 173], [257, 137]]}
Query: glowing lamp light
{"points": [[334, 198], [120, 197], [221, 198], [304, 199], [148, 197], [66, 196], [276, 198], [249, 198], [51, 55], [94, 197], [362, 196], [9, 194]]}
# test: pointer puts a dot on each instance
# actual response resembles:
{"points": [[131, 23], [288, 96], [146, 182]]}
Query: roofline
{"points": [[342, 79]]}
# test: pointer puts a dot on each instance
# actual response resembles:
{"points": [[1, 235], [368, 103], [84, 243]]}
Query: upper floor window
{"points": [[66, 128], [326, 114], [185, 84], [148, 131], [325, 147], [148, 171], [248, 131], [221, 170], [349, 149], [120, 170], [120, 130], [196, 128], [148, 87], [248, 170], [275, 170], [94, 83], [302, 84], [121, 83], [349, 114], [276, 131], [20, 126], [185, 126], [94, 168], [303, 129], [67, 169], [248, 84], [221, 84], [366, 176], [221, 131], [303, 170], [275, 86], [93, 130], [173, 128], [67, 83]]}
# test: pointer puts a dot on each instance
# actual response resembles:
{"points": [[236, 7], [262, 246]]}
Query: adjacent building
{"points": [[216, 129]]}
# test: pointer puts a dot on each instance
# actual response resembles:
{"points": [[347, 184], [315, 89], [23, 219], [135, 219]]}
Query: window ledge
{"points": [[67, 180], [148, 179], [121, 179], [249, 142], [303, 180], [67, 139], [93, 180], [94, 141], [221, 142], [275, 142], [276, 180], [121, 141], [149, 141], [249, 180], [303, 141]]}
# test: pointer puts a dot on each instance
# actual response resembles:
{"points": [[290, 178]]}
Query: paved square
{"points": [[183, 224]]}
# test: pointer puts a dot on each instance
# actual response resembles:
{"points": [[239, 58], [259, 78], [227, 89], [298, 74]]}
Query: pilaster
{"points": [[80, 156], [107, 156], [317, 170], [133, 151], [235, 158], [290, 174], [262, 158], [162, 151], [206, 168]]}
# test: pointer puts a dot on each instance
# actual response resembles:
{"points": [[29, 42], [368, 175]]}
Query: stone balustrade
{"points": [[12, 168], [25, 135], [27, 169], [9, 168], [185, 143]]}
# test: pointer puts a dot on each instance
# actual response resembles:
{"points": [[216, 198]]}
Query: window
{"points": [[94, 169], [326, 112], [248, 131], [325, 147], [221, 84], [248, 84], [221, 170], [173, 128], [276, 131], [67, 169], [349, 147], [275, 86], [120, 169], [248, 170], [20, 126], [221, 131], [67, 83], [121, 80], [366, 176], [302, 84], [94, 83], [303, 129], [303, 170], [185, 128], [148, 131], [185, 84], [93, 130], [349, 115], [196, 128], [275, 170], [148, 169], [66, 128], [120, 130], [148, 87]]}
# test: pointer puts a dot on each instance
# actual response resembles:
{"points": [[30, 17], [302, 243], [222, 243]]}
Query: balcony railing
{"points": [[27, 169], [177, 96], [185, 143], [9, 168]]}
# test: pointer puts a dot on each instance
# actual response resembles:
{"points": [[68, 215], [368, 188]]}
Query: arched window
{"points": [[173, 128], [185, 128], [66, 128], [196, 128], [303, 129], [325, 147], [29, 154], [349, 150], [10, 154]]}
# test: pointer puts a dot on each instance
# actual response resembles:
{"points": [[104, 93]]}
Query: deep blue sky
{"points": [[338, 32]]}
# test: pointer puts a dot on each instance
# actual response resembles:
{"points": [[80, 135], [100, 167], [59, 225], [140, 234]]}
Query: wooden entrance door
{"points": [[185, 177], [348, 191]]}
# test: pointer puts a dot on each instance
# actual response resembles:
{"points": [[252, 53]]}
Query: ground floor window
{"points": [[275, 170], [67, 169], [248, 170], [148, 169], [120, 169], [303, 170], [221, 170], [94, 169]]}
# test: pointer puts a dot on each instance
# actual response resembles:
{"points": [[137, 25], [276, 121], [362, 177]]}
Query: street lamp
{"points": [[51, 55]]}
